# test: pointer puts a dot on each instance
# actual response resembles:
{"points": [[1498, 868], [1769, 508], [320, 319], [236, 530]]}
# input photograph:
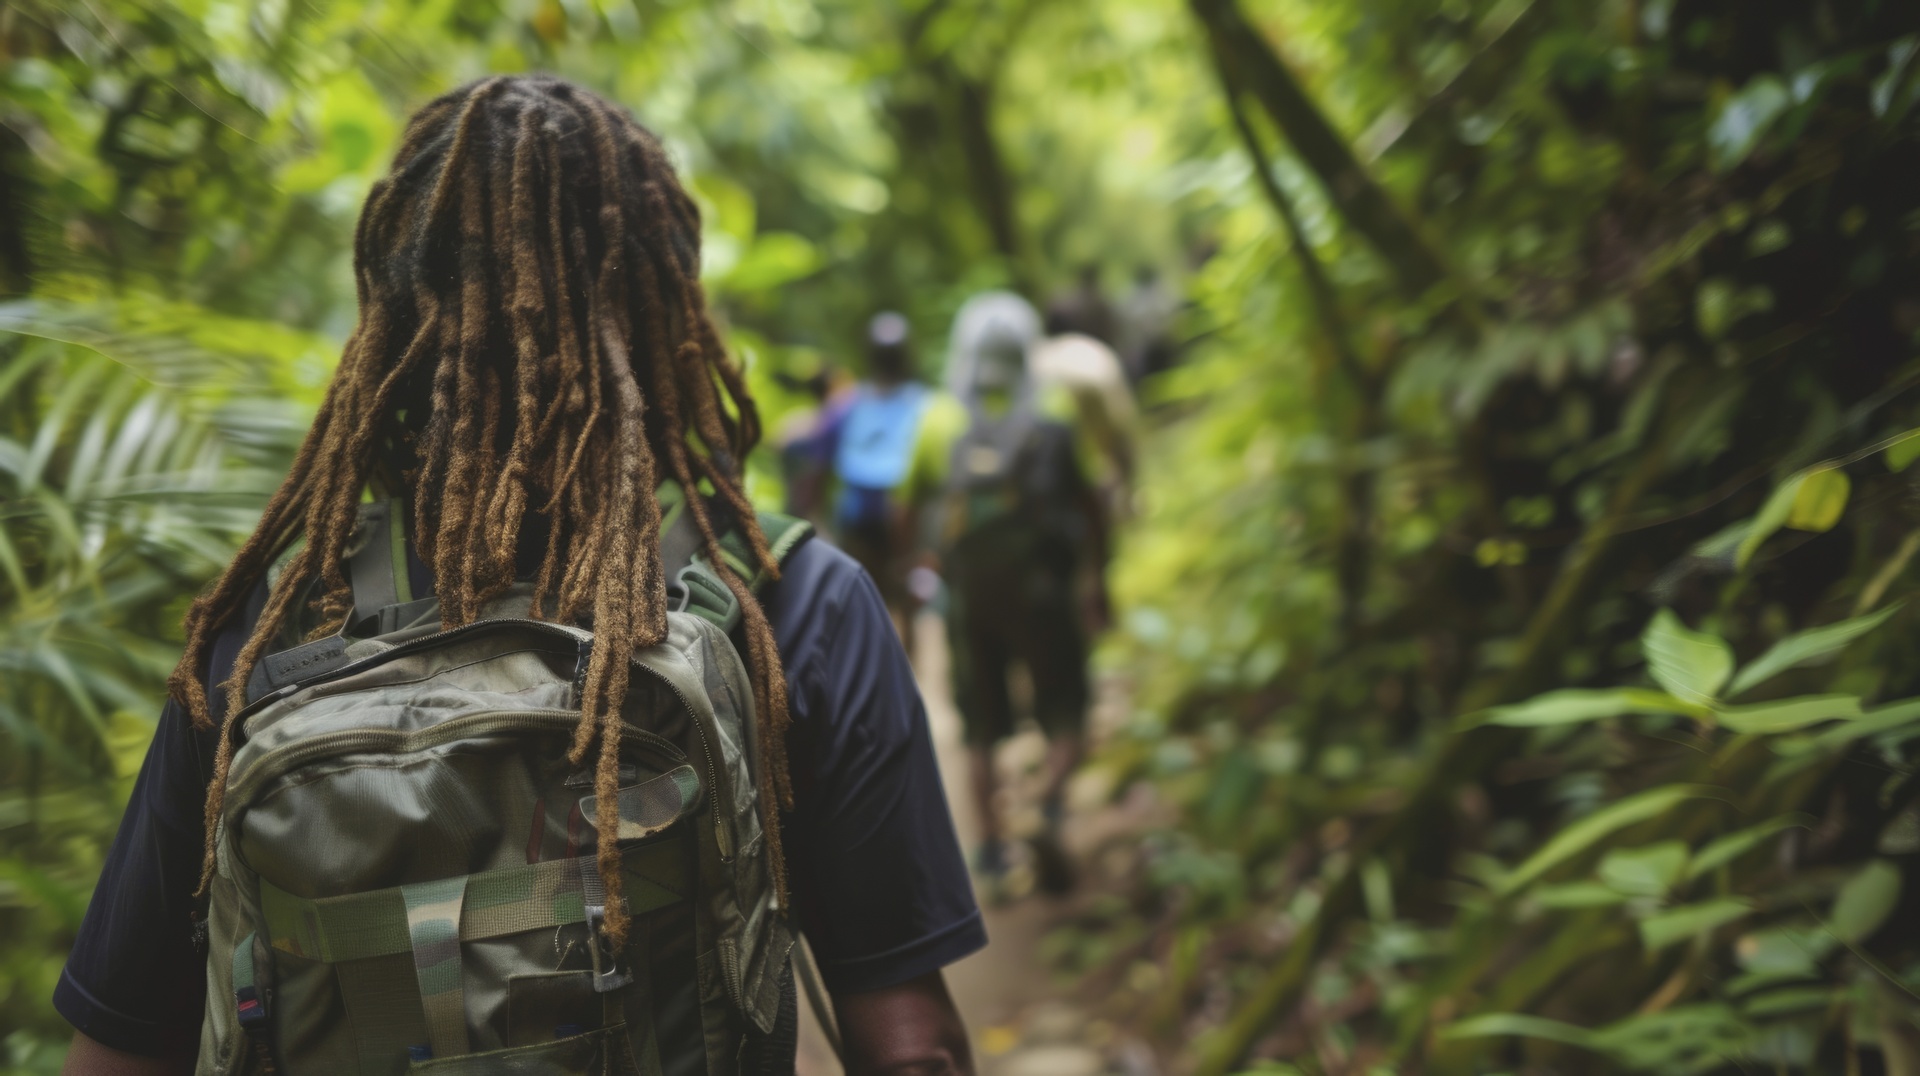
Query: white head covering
{"points": [[992, 335]]}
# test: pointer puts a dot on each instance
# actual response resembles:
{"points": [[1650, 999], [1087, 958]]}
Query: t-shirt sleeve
{"points": [[942, 423], [879, 884], [133, 980]]}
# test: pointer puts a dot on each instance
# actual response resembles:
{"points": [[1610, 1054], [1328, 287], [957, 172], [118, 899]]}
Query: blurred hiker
{"points": [[1022, 539], [1146, 344], [1075, 360], [576, 740], [1086, 304], [873, 448], [805, 440]]}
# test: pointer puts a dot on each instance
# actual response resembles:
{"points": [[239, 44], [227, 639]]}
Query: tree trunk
{"points": [[986, 168]]}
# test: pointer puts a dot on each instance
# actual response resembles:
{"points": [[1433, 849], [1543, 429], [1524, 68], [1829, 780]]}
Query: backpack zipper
{"points": [[540, 627], [278, 762], [723, 835]]}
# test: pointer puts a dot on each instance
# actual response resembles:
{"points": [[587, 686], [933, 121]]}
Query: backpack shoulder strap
{"points": [[693, 585], [377, 572], [377, 558]]}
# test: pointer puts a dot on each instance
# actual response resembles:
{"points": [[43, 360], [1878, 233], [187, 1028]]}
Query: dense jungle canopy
{"points": [[1524, 557]]}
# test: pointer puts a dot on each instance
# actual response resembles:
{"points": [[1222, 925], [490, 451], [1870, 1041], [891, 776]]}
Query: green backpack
{"points": [[405, 875]]}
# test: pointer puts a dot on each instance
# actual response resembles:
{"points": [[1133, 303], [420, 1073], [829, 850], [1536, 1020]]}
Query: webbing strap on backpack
{"points": [[433, 933], [377, 572], [377, 563], [694, 586], [377, 560]]}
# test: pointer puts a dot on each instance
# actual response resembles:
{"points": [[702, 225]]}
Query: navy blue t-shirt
{"points": [[878, 882]]}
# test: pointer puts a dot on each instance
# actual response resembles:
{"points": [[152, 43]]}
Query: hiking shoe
{"points": [[990, 869]]}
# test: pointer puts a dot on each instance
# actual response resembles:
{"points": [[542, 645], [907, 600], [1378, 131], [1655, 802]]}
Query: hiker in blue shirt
{"points": [[872, 454]]}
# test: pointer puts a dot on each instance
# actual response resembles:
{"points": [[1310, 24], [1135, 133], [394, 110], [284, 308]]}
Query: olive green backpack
{"points": [[405, 875]]}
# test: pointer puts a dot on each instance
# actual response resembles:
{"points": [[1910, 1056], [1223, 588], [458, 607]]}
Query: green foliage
{"points": [[1517, 604], [138, 442], [1570, 594]]}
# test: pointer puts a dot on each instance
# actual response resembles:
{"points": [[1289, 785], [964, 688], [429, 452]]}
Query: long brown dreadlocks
{"points": [[532, 337]]}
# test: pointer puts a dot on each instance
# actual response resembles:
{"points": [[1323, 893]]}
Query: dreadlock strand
{"points": [[278, 602], [524, 308], [437, 441], [770, 697], [451, 172]]}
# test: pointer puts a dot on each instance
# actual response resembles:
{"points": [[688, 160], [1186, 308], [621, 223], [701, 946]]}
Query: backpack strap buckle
{"points": [[698, 589], [607, 976]]}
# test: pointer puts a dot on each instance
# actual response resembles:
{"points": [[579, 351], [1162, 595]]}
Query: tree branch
{"points": [[1354, 555], [1245, 55]]}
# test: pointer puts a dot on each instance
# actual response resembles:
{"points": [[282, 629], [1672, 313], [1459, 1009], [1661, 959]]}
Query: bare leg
{"points": [[1064, 753], [1055, 871]]}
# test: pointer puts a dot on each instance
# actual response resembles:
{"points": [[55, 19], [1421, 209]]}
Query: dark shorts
{"points": [[996, 619]]}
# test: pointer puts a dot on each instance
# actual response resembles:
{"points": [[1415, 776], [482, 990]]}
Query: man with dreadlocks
{"points": [[534, 383]]}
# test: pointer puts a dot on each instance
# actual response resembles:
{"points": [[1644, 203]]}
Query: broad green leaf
{"points": [[1725, 850], [1577, 895], [1820, 500], [1583, 834], [1787, 715], [1513, 1023], [1644, 872], [1575, 705], [1771, 517], [1796, 999], [1903, 451], [1690, 1038], [1880, 719], [1783, 951], [1691, 665], [58, 896], [1745, 118], [1713, 307], [1659, 931], [727, 207], [774, 259], [1865, 902], [1804, 646]]}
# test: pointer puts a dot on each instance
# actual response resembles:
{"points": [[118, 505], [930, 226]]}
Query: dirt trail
{"points": [[1021, 1021]]}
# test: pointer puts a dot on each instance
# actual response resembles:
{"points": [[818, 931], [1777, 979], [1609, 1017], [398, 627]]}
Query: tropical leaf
{"points": [[1882, 719], [1902, 450], [1787, 715], [1820, 500], [1771, 517], [1724, 850], [1583, 834], [1865, 902], [1690, 921], [1691, 665], [1576, 705], [1804, 647], [1648, 871], [1518, 1024]]}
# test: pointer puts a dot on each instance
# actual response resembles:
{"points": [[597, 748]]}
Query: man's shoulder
{"points": [[816, 579]]}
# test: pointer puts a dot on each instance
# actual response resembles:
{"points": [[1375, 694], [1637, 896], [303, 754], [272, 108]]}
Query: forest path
{"points": [[1021, 1018]]}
